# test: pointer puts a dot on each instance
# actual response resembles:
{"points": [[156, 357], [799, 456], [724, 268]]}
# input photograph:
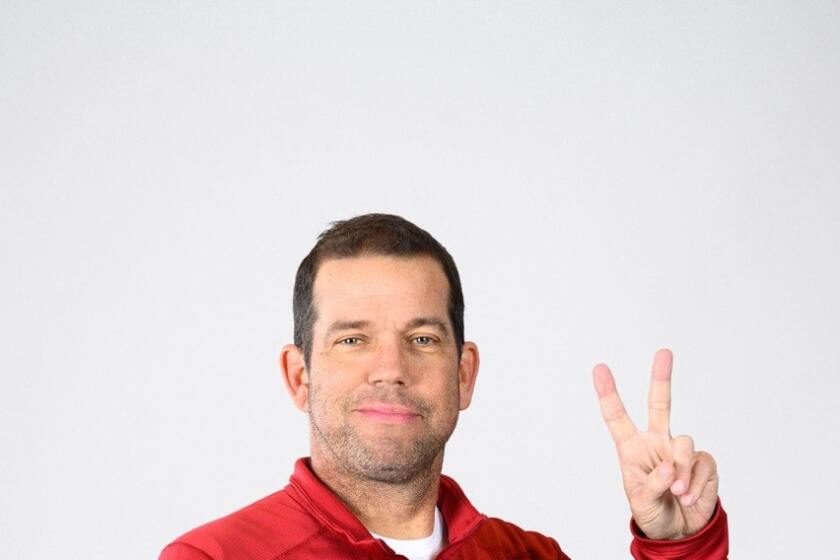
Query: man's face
{"points": [[385, 386]]}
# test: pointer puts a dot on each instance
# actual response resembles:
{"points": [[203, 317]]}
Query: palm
{"points": [[681, 502]]}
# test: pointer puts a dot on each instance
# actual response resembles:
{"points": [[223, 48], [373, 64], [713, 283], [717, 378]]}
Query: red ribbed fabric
{"points": [[711, 542], [306, 521]]}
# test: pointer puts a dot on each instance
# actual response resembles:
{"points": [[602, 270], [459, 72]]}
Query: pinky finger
{"points": [[704, 469]]}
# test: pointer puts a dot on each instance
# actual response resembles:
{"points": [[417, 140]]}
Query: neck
{"points": [[403, 510]]}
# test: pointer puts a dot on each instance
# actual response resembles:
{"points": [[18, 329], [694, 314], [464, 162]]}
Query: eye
{"points": [[424, 340], [350, 340]]}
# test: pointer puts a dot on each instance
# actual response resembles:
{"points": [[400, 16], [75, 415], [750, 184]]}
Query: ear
{"points": [[467, 373], [295, 375]]}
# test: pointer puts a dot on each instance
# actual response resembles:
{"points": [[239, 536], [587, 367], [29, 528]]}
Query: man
{"points": [[381, 367]]}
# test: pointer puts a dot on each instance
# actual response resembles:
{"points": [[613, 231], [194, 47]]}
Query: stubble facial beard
{"points": [[389, 459]]}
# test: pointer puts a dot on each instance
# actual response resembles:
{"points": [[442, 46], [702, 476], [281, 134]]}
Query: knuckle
{"points": [[613, 417], [706, 458], [660, 405], [613, 414], [683, 449], [684, 442]]}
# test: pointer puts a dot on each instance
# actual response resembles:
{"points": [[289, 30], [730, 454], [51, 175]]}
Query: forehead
{"points": [[369, 286]]}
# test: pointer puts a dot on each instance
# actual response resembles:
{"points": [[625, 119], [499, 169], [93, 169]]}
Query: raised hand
{"points": [[672, 489]]}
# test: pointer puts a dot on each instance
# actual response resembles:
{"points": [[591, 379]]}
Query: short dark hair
{"points": [[371, 234]]}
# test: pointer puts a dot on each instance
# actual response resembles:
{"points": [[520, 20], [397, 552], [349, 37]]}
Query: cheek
{"points": [[326, 395], [448, 394]]}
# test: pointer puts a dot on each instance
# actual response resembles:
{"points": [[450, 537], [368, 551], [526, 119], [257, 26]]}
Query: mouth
{"points": [[391, 413]]}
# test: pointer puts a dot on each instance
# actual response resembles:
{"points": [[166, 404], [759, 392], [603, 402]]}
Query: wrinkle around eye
{"points": [[342, 341], [432, 341]]}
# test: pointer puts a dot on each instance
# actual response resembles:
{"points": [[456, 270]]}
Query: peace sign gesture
{"points": [[672, 489]]}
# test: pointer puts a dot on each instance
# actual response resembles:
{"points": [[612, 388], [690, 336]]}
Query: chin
{"points": [[395, 464], [393, 473]]}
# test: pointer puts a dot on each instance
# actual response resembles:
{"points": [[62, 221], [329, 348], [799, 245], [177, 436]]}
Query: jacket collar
{"points": [[458, 513]]}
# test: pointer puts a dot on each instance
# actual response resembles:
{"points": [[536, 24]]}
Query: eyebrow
{"points": [[439, 324], [344, 326], [435, 322]]}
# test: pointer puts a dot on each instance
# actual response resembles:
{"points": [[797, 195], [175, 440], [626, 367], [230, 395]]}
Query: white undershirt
{"points": [[419, 549]]}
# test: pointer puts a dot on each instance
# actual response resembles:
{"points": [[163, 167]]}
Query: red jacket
{"points": [[306, 521]]}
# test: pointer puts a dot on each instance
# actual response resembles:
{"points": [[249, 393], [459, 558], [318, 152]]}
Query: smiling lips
{"points": [[384, 412]]}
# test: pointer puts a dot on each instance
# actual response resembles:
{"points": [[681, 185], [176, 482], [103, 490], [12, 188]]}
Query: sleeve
{"points": [[182, 551], [709, 543]]}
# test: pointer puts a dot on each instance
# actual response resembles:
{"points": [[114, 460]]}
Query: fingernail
{"points": [[686, 500], [678, 487], [665, 471]]}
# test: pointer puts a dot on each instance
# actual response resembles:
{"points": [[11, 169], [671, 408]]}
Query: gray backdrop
{"points": [[610, 177]]}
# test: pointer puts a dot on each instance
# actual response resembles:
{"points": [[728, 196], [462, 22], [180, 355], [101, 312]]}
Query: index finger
{"points": [[659, 397], [612, 409]]}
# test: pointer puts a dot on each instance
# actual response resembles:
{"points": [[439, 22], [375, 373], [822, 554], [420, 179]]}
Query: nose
{"points": [[389, 364]]}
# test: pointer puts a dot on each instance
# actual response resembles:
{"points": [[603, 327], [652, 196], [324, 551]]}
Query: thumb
{"points": [[659, 481]]}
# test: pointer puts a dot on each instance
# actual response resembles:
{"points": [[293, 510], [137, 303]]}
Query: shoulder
{"points": [[510, 538], [266, 528]]}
